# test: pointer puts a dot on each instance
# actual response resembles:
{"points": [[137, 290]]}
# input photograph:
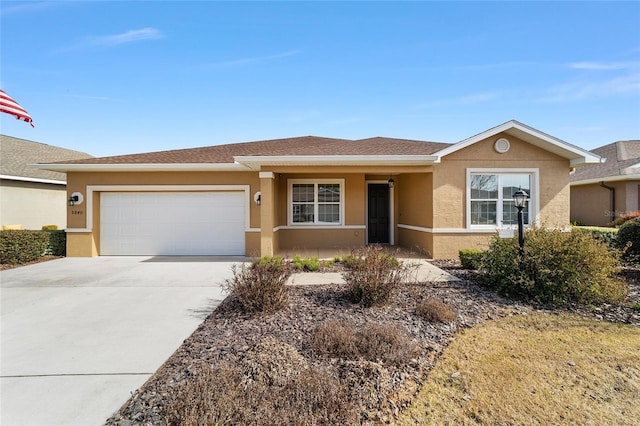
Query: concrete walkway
{"points": [[80, 334], [424, 272]]}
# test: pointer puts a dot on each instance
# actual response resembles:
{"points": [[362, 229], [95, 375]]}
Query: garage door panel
{"points": [[172, 223]]}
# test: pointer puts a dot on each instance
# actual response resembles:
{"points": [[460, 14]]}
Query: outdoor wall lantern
{"points": [[75, 199], [391, 182], [520, 198], [257, 197]]}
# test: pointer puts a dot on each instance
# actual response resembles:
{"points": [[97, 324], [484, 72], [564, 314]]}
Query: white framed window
{"points": [[490, 197], [316, 202]]}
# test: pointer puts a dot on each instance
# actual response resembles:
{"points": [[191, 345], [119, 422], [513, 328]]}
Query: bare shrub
{"points": [[389, 344], [435, 310], [247, 394], [373, 276], [261, 286]]}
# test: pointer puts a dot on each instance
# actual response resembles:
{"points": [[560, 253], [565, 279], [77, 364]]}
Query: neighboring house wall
{"points": [[591, 204], [32, 204]]}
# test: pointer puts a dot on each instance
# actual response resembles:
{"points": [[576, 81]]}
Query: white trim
{"points": [[391, 210], [318, 227], [447, 230], [605, 179], [144, 167], [253, 230], [534, 201], [576, 155], [316, 182], [266, 175], [37, 180], [162, 188], [256, 161]]}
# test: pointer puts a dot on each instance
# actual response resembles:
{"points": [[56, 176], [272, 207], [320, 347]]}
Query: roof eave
{"points": [[32, 179], [576, 155], [255, 162], [605, 179], [144, 167]]}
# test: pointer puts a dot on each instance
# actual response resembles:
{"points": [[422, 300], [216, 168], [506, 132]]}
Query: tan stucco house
{"points": [[311, 193], [602, 192], [31, 198]]}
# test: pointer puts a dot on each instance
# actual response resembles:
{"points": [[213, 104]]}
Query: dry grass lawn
{"points": [[534, 370]]}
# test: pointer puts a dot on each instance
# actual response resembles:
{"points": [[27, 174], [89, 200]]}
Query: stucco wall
{"points": [[591, 204], [32, 204]]}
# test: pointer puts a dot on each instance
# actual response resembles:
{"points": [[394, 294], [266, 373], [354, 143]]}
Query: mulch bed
{"points": [[4, 266], [229, 335]]}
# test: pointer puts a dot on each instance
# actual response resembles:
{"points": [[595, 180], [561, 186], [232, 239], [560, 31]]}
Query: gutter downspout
{"points": [[612, 191]]}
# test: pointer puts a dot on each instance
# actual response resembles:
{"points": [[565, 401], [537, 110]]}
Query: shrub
{"points": [[305, 264], [226, 395], [373, 276], [261, 286], [470, 258], [629, 241], [435, 310], [49, 227], [558, 267], [57, 245], [621, 220], [606, 235], [22, 246], [384, 343]]}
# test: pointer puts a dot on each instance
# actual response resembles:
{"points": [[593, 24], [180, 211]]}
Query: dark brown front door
{"points": [[378, 215]]}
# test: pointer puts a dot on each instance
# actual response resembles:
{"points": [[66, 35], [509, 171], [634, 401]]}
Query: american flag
{"points": [[10, 106]]}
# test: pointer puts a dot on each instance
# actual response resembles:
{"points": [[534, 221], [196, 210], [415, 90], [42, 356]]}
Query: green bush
{"points": [[261, 286], [558, 267], [57, 245], [373, 276], [470, 258], [22, 246], [305, 264], [49, 227], [606, 235], [629, 240]]}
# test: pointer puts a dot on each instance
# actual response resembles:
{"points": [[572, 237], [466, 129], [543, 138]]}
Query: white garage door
{"points": [[172, 223]]}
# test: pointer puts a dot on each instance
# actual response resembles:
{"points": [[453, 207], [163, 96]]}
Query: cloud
{"points": [[254, 59], [29, 7], [603, 66], [114, 40], [583, 89]]}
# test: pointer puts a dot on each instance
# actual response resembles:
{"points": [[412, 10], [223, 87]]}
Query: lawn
{"points": [[535, 369]]}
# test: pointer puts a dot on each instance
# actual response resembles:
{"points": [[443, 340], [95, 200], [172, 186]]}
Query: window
{"points": [[491, 198], [316, 202]]}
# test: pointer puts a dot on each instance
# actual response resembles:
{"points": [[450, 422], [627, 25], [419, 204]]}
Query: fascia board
{"points": [[576, 155], [36, 180], [605, 179], [335, 160], [144, 167]]}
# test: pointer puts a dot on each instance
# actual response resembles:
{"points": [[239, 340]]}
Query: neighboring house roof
{"points": [[314, 150], [622, 163], [16, 154]]}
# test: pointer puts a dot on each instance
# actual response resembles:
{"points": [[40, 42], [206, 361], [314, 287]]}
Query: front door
{"points": [[378, 214]]}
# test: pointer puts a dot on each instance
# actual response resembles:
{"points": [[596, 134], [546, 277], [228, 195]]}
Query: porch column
{"points": [[267, 213]]}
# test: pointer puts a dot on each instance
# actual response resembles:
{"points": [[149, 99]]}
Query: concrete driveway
{"points": [[80, 334]]}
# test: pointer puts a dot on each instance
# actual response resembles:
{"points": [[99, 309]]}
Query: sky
{"points": [[121, 77]]}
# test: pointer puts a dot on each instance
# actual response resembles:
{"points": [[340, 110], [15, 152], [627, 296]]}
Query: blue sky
{"points": [[121, 77]]}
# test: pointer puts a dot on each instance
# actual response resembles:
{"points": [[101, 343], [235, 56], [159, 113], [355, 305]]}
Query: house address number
{"points": [[77, 212]]}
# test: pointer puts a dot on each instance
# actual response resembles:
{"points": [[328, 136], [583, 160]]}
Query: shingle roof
{"points": [[305, 145], [621, 157], [16, 154]]}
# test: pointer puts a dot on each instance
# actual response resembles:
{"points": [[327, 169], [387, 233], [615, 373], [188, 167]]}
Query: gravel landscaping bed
{"points": [[379, 390], [278, 345]]}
